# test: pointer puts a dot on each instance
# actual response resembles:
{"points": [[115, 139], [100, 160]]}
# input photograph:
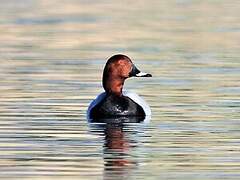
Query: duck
{"points": [[114, 102]]}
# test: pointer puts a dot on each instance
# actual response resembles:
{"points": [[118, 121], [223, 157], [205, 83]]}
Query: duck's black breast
{"points": [[114, 106]]}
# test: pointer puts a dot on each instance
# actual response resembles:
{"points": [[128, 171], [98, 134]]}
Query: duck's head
{"points": [[118, 68]]}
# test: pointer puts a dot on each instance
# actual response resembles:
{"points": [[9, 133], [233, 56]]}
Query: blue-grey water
{"points": [[51, 58]]}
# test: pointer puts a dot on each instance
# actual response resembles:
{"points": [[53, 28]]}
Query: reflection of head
{"points": [[116, 149], [114, 137]]}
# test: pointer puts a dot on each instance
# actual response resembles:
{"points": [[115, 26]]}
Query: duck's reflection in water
{"points": [[120, 143]]}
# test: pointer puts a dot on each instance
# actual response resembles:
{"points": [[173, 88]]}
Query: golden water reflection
{"points": [[51, 58]]}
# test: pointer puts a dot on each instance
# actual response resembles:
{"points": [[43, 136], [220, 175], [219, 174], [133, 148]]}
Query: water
{"points": [[52, 54]]}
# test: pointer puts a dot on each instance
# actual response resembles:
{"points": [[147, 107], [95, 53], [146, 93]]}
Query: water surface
{"points": [[52, 54]]}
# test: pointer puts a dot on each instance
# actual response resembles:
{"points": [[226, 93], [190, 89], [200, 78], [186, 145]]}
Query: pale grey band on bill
{"points": [[141, 74]]}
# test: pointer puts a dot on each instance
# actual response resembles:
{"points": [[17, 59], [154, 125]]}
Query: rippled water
{"points": [[52, 54]]}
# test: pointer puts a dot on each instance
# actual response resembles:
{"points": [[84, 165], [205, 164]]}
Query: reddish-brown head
{"points": [[118, 68]]}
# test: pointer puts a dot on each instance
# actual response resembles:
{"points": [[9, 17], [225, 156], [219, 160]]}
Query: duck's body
{"points": [[112, 105], [130, 104], [114, 102]]}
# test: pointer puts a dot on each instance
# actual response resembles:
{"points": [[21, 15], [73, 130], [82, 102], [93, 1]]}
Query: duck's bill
{"points": [[135, 72], [142, 74]]}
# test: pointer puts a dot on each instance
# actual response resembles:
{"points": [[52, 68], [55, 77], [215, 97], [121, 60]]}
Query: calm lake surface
{"points": [[51, 58]]}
